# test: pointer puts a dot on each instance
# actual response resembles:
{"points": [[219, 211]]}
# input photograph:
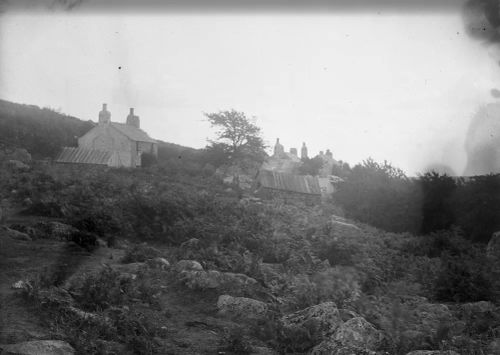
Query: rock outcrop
{"points": [[432, 352], [320, 321], [241, 308], [38, 347], [188, 265]]}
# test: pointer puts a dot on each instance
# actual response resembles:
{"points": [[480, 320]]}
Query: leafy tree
{"points": [[238, 140], [437, 208], [476, 206], [381, 195]]}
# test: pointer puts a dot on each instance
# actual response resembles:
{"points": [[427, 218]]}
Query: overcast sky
{"points": [[390, 85]]}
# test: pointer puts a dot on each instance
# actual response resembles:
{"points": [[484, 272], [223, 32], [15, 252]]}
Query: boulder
{"points": [[262, 350], [431, 316], [38, 347], [22, 285], [188, 265], [158, 263], [132, 268], [213, 279], [432, 352], [323, 319], [329, 347], [241, 308], [357, 332]]}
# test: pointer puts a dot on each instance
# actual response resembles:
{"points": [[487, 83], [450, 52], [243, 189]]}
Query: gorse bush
{"points": [[381, 195]]}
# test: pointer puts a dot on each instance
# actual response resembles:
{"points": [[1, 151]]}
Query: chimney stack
{"points": [[132, 119], [104, 115]]}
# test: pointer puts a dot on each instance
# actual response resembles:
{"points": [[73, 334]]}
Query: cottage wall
{"points": [[104, 137]]}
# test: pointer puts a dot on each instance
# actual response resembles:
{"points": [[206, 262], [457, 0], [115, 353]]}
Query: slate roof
{"points": [[83, 156], [289, 182], [135, 134]]}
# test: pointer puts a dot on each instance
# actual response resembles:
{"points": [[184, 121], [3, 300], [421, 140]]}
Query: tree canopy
{"points": [[238, 140]]}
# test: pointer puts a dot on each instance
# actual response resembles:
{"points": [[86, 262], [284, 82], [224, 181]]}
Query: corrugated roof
{"points": [[289, 182], [136, 134], [83, 156]]}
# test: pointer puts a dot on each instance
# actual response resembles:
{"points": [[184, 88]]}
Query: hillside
{"points": [[138, 262], [43, 132]]}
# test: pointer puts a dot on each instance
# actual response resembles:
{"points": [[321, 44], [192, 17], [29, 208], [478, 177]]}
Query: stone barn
{"points": [[288, 187], [111, 143]]}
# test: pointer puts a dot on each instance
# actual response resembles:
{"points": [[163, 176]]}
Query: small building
{"points": [[288, 187], [111, 143]]}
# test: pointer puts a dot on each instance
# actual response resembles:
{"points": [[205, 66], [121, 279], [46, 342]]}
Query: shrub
{"points": [[85, 240], [339, 284], [140, 253], [235, 341], [463, 279]]}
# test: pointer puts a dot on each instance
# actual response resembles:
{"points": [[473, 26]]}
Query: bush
{"points": [[85, 240], [463, 279], [235, 341], [339, 284], [140, 253]]}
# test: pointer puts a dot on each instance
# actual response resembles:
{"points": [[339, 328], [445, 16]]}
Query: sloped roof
{"points": [[83, 156], [135, 134], [289, 182]]}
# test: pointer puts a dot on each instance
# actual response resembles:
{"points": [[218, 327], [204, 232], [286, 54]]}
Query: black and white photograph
{"points": [[250, 177]]}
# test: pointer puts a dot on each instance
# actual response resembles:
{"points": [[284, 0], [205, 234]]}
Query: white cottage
{"points": [[111, 143]]}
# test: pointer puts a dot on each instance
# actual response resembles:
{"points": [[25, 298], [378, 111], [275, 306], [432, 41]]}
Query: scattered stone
{"points": [[188, 265], [21, 285], [345, 225], [262, 350], [158, 263], [432, 352], [329, 347], [322, 320], [346, 314], [212, 279], [432, 316], [241, 308], [101, 243], [38, 347], [129, 271], [14, 234], [358, 332]]}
